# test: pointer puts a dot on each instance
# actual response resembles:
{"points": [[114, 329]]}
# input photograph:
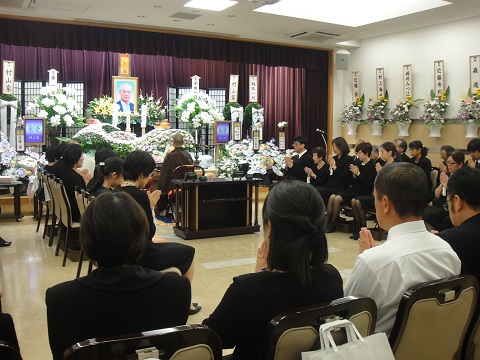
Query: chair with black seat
{"points": [[433, 318], [179, 173], [8, 351], [296, 330], [177, 343], [55, 207], [71, 228]]}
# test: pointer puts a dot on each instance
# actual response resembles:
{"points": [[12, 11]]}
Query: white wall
{"points": [[453, 42]]}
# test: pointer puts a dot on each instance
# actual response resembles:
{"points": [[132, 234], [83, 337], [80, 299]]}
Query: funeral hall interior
{"points": [[269, 70]]}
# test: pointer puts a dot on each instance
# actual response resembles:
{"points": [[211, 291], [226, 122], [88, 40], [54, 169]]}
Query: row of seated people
{"points": [[121, 296], [130, 176], [345, 180]]}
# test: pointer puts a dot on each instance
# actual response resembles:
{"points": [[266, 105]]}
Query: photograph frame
{"points": [[117, 82], [34, 133], [222, 131]]}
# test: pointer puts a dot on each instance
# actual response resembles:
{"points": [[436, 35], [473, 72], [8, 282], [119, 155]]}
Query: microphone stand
{"points": [[323, 137]]}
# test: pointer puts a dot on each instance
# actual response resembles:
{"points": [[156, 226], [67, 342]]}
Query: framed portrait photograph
{"points": [[35, 131], [125, 93], [221, 131]]}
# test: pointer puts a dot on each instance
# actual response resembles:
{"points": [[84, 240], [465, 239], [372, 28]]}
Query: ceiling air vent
{"points": [[185, 16], [314, 36]]}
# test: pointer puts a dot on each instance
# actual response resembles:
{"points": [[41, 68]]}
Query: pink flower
{"points": [[469, 100]]}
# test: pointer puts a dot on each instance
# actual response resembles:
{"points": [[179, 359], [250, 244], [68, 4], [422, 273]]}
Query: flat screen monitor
{"points": [[221, 131], [35, 131]]}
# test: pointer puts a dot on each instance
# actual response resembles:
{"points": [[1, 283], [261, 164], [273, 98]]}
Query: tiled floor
{"points": [[28, 267]]}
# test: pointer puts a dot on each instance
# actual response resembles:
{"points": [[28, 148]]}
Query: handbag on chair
{"points": [[373, 347]]}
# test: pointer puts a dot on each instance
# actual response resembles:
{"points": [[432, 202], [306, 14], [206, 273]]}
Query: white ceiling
{"points": [[236, 22]]}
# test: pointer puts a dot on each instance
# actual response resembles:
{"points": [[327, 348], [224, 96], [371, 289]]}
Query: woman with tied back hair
{"points": [[388, 154], [119, 297], [291, 270], [108, 175]]}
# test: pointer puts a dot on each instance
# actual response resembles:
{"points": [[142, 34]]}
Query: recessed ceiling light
{"points": [[157, 6], [232, 16], [140, 16], [210, 24], [176, 20], [215, 5], [349, 12]]}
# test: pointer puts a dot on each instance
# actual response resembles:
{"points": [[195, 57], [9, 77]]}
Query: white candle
{"points": [[196, 136], [128, 122], [115, 117], [144, 115]]}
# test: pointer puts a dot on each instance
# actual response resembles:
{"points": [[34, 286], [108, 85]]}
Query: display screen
{"points": [[222, 132], [34, 131]]}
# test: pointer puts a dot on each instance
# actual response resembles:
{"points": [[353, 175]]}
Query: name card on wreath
{"points": [[252, 89], [356, 85], [233, 89], [8, 76], [237, 130], [380, 83], [407, 81], [474, 73], [438, 69]]}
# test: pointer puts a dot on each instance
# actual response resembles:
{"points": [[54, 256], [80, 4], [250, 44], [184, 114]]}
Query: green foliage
{"points": [[123, 149], [226, 110], [247, 116]]}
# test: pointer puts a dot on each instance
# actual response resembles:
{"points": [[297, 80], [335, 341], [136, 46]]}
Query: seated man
{"points": [[177, 157], [463, 201], [295, 166], [410, 255]]}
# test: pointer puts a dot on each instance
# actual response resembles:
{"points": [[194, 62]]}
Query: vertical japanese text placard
{"points": [[474, 73], [252, 88], [195, 84], [355, 85], [407, 81], [380, 83], [233, 90], [8, 76], [438, 71], [123, 64]]}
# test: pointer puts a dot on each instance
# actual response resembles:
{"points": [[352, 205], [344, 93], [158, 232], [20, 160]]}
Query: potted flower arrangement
{"points": [[350, 115], [469, 113], [375, 113], [102, 109], [435, 109], [156, 112], [401, 114]]}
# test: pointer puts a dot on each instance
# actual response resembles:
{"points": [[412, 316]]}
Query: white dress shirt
{"points": [[411, 255]]}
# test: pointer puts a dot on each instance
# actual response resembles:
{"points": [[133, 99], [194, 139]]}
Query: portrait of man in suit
{"points": [[125, 90]]}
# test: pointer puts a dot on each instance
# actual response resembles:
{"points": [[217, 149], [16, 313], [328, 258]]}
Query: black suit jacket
{"points": [[465, 242], [114, 301], [71, 179], [297, 171]]}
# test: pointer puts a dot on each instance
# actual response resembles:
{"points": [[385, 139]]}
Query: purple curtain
{"points": [[293, 82]]}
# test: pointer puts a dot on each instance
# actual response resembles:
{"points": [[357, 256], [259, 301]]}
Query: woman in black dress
{"points": [[291, 270], [137, 171], [362, 184], [108, 175], [319, 173], [340, 175], [419, 158]]}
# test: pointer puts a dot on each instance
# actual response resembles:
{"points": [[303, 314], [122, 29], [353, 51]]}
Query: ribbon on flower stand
{"points": [[257, 121], [237, 121], [13, 119]]}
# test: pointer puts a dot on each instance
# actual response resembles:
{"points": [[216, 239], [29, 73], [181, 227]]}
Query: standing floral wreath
{"points": [[376, 109], [435, 108], [469, 108], [58, 107], [351, 112], [198, 110], [401, 111]]}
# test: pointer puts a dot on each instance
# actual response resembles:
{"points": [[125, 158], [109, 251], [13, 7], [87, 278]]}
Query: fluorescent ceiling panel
{"points": [[215, 5], [351, 13]]}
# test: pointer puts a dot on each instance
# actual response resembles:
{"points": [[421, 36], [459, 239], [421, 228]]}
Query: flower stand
{"points": [[352, 128], [435, 130], [376, 128], [403, 128], [472, 129]]}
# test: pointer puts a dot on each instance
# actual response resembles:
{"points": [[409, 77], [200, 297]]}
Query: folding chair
{"points": [[177, 343], [433, 318]]}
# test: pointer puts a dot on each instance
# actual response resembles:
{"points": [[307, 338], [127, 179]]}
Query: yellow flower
{"points": [[478, 91], [443, 98], [380, 97], [444, 92], [359, 103], [408, 96], [357, 99], [386, 100], [410, 102]]}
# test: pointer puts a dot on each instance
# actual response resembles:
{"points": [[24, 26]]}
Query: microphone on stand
{"points": [[323, 137], [321, 131]]}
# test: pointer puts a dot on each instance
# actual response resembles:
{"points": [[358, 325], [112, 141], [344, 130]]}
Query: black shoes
{"points": [[354, 237], [4, 243], [330, 228], [196, 309]]}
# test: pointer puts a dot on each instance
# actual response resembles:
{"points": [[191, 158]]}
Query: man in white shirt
{"points": [[410, 255]]}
